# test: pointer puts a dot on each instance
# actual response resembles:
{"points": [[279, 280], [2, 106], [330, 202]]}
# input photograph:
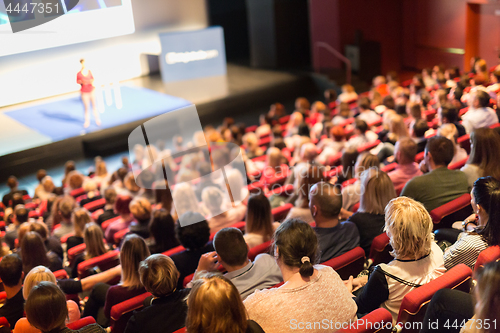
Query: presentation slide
{"points": [[29, 25]]}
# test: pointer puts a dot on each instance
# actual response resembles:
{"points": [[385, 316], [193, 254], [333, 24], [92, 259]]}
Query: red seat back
{"points": [[279, 213], [420, 156], [175, 250], [457, 165], [379, 321], [61, 274], [107, 223], [415, 303], [77, 192], [368, 146], [490, 254], [256, 250], [464, 142], [349, 263], [380, 250], [64, 238], [118, 236], [456, 210], [121, 312], [285, 190], [80, 323], [389, 167], [4, 323], [95, 205], [102, 262], [76, 250]]}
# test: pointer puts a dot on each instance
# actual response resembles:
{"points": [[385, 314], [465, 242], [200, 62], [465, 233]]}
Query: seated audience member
{"points": [[365, 113], [94, 246], [33, 278], [93, 194], [20, 216], [348, 94], [480, 230], [141, 212], [65, 210], [302, 105], [265, 123], [295, 249], [440, 185], [185, 200], [352, 193], [251, 143], [483, 160], [204, 168], [448, 114], [33, 253], [12, 275], [239, 190], [344, 113], [80, 218], [259, 226], [214, 299], [450, 131], [308, 153], [479, 114], [162, 231], [361, 135], [231, 252], [213, 200], [45, 190], [334, 237], [308, 178], [24, 228], [68, 167], [109, 212], [74, 181], [397, 129], [414, 111], [168, 309], [404, 153], [370, 219], [455, 306], [47, 310], [348, 162], [330, 97], [418, 134], [121, 208], [194, 236], [417, 259], [132, 252], [274, 162], [12, 183], [101, 176], [40, 175], [332, 145], [292, 127], [51, 243]]}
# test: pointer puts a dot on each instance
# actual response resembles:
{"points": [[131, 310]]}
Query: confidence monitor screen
{"points": [[87, 20]]}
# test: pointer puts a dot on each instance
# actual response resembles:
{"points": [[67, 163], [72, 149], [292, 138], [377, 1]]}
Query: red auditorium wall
{"points": [[413, 33]]}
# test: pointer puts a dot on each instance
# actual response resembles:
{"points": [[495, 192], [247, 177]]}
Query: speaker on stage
{"points": [[279, 33]]}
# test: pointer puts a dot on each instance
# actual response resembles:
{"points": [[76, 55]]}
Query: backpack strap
{"points": [[394, 277]]}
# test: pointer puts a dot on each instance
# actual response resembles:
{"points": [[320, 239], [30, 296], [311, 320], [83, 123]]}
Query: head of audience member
{"points": [[347, 89], [93, 238], [397, 127], [389, 102], [17, 199], [360, 127], [12, 183], [163, 196], [348, 161], [65, 208], [274, 159], [405, 151], [259, 219], [418, 81], [419, 128], [414, 110], [158, 275], [325, 204], [133, 251], [363, 104], [481, 99], [307, 178], [212, 198], [450, 132], [121, 207], [140, 208], [195, 235], [41, 229], [21, 214], [100, 169], [80, 218], [378, 191], [318, 107], [487, 295], [251, 142], [46, 308], [215, 299], [344, 110], [330, 96], [308, 152], [409, 227], [74, 180], [295, 120], [185, 199], [378, 80], [231, 248], [277, 110], [41, 174], [35, 276], [439, 152], [484, 142], [162, 228], [295, 248], [448, 114], [130, 184], [110, 196], [48, 184], [24, 228], [337, 133], [11, 273], [302, 104], [364, 162], [33, 251], [303, 130], [485, 200]]}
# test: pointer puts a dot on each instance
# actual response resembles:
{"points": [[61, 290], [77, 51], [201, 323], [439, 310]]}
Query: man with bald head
{"points": [[405, 152], [334, 237]]}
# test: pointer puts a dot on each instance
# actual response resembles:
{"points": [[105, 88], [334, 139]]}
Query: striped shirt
{"points": [[465, 250]]}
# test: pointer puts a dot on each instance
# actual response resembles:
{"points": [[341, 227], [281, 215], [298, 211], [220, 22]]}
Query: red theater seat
{"points": [[415, 303], [456, 210], [490, 254], [334, 159], [389, 167], [95, 205], [347, 264], [4, 323], [279, 213], [76, 250], [251, 128], [80, 323], [77, 192], [457, 165], [181, 330], [349, 182], [118, 236], [368, 146], [256, 250], [380, 250], [420, 157], [379, 321], [102, 262], [355, 208], [64, 238], [464, 142], [175, 250], [95, 215], [107, 223], [61, 274], [121, 312], [265, 142], [285, 190], [334, 172]]}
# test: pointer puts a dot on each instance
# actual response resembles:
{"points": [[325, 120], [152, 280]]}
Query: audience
{"points": [[121, 208], [450, 132], [109, 212], [162, 231], [12, 183], [440, 185], [80, 218], [20, 215], [94, 246], [33, 253], [140, 208], [259, 226], [406, 169], [479, 114], [64, 210], [12, 275]]}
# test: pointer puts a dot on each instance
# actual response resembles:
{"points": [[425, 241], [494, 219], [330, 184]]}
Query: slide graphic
{"points": [[156, 156]]}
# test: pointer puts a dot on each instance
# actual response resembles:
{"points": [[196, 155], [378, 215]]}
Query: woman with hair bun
{"points": [[317, 288]]}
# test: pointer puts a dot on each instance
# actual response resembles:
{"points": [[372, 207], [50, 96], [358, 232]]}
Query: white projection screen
{"points": [[88, 20]]}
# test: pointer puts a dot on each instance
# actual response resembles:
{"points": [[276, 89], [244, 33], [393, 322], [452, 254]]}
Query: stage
{"points": [[50, 131]]}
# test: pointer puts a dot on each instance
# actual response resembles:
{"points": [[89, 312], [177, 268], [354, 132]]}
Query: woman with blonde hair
{"points": [[213, 200], [214, 305], [417, 258], [101, 176], [185, 200], [292, 127], [94, 246], [351, 194], [251, 143], [450, 132], [259, 227], [32, 279], [79, 218], [397, 129], [377, 191], [133, 251]]}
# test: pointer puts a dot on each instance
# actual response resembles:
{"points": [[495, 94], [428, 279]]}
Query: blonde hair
{"points": [[89, 185], [364, 162], [449, 131], [35, 276], [93, 239], [378, 191], [80, 218], [212, 198], [397, 127], [101, 169], [185, 199], [159, 275], [214, 305], [409, 227], [274, 158], [133, 251], [140, 209]]}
